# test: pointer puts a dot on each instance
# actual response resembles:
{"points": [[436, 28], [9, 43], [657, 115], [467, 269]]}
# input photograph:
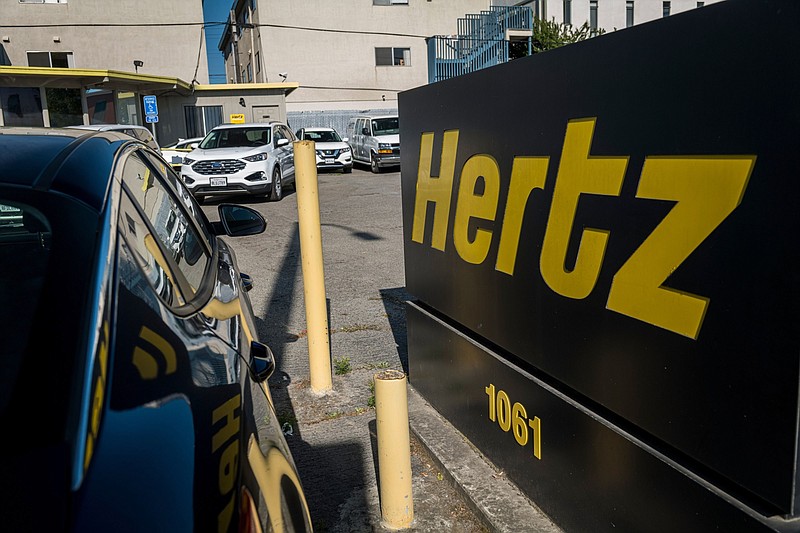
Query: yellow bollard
{"points": [[319, 352], [394, 450]]}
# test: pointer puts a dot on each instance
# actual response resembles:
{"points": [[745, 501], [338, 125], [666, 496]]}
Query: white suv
{"points": [[333, 152], [241, 159]]}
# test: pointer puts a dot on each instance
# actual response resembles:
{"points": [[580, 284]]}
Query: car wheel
{"points": [[373, 165], [347, 170], [277, 186]]}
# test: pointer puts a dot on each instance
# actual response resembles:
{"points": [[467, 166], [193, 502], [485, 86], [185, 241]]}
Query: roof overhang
{"points": [[74, 78], [248, 88]]}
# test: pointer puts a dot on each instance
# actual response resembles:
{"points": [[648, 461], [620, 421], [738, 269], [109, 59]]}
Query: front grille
{"points": [[219, 167], [329, 153]]}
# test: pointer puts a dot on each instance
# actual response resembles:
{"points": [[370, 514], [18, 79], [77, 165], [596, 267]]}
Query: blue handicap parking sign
{"points": [[150, 105]]}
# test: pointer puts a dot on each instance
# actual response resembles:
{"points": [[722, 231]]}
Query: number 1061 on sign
{"points": [[515, 416]]}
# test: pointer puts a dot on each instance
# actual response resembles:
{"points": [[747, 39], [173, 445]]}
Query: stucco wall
{"points": [[611, 13], [176, 51], [336, 67]]}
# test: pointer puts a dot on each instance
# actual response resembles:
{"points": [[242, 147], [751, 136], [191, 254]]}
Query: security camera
{"points": [[283, 75]]}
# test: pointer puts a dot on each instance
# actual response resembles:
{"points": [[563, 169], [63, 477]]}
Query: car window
{"points": [[193, 209], [148, 255], [279, 133], [25, 237], [236, 137], [385, 126], [176, 232]]}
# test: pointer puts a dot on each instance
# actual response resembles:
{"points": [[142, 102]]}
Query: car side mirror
{"points": [[346, 139], [282, 142], [262, 362], [238, 221], [364, 131]]}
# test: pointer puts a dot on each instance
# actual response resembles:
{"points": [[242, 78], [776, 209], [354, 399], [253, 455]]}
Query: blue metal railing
{"points": [[480, 43]]}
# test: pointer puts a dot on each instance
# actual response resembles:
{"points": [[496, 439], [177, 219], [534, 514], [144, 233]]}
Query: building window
{"points": [[100, 104], [397, 57], [666, 7], [50, 59], [389, 2], [64, 107], [700, 4], [629, 13], [21, 106], [201, 119], [568, 12], [593, 14], [258, 62]]}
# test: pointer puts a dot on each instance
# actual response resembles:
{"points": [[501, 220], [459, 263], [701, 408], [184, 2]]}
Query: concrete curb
{"points": [[501, 506]]}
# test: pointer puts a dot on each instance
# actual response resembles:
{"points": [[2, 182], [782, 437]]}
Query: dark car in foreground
{"points": [[133, 389]]}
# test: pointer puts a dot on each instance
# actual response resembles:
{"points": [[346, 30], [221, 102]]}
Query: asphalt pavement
{"points": [[332, 435]]}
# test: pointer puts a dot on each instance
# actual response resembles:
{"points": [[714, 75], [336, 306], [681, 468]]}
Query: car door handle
{"points": [[247, 281]]}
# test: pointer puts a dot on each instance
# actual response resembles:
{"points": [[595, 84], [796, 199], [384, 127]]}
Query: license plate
{"points": [[219, 182], [329, 160]]}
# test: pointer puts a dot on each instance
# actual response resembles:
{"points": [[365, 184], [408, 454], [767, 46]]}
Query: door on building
{"points": [[265, 113]]}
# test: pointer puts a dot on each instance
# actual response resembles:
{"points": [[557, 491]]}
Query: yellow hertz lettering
{"points": [[146, 363], [705, 190], [97, 397], [228, 437]]}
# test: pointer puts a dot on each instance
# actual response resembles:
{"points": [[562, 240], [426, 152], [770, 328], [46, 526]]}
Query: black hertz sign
{"points": [[620, 218], [704, 189]]}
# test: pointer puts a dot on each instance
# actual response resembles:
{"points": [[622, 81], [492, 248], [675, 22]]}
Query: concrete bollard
{"points": [[319, 352], [394, 449]]}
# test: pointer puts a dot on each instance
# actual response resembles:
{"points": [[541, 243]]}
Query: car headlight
{"points": [[257, 157], [187, 161], [384, 148], [345, 150]]}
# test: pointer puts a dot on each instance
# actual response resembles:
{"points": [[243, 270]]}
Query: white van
{"points": [[375, 140]]}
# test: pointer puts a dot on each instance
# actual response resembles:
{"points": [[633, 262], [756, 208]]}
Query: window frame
{"points": [[194, 298], [68, 55], [404, 57]]}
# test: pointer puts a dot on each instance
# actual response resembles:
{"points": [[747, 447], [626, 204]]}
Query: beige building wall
{"points": [[101, 34], [611, 14], [329, 47]]}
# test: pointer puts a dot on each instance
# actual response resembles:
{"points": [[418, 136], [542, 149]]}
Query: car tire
{"points": [[373, 164], [347, 170], [276, 194]]}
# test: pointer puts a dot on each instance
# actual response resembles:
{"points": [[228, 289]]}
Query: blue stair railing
{"points": [[481, 42]]}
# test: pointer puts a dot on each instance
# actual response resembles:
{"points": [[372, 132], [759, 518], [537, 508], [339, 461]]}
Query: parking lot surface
{"points": [[332, 436]]}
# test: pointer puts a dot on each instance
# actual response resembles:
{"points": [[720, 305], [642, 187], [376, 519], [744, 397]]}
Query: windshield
{"points": [[237, 138], [322, 136], [386, 126]]}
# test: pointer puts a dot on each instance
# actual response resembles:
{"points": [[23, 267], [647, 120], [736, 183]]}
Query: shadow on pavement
{"points": [[273, 330], [394, 301], [332, 478]]}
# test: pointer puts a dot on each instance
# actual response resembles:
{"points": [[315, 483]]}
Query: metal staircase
{"points": [[482, 41]]}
